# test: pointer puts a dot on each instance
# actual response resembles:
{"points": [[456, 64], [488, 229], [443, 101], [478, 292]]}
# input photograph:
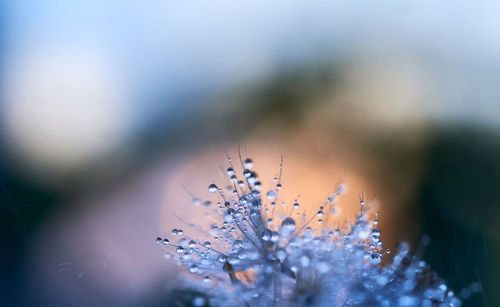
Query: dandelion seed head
{"points": [[258, 253]]}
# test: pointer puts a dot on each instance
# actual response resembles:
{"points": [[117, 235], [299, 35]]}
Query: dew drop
{"points": [[222, 258], [183, 242], [166, 241], [214, 230], [196, 201], [375, 258], [237, 243], [281, 254], [159, 240], [230, 171], [212, 188], [206, 244], [323, 267], [206, 279], [287, 226], [199, 301], [252, 179], [179, 249], [305, 261], [193, 269], [341, 188], [271, 195], [275, 237], [248, 163], [266, 235]]}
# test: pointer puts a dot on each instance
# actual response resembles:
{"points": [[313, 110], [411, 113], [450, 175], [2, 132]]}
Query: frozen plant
{"points": [[263, 252]]}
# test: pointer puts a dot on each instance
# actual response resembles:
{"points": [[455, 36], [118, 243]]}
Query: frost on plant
{"points": [[263, 252]]}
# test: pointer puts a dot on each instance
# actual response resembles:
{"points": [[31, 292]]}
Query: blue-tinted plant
{"points": [[257, 254]]}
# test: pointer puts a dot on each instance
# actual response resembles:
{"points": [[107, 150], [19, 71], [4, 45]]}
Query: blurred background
{"points": [[108, 107]]}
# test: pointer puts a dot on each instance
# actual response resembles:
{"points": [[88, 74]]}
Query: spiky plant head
{"points": [[260, 251]]}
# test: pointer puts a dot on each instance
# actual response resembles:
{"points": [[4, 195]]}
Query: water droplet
{"points": [[287, 226], [222, 258], [179, 249], [230, 171], [192, 243], [281, 254], [212, 188], [278, 186], [159, 240], [271, 195], [341, 188], [248, 163], [305, 261], [214, 230], [275, 237], [266, 235], [237, 243], [198, 301], [295, 205], [183, 242], [252, 179], [320, 221], [206, 279], [320, 213], [363, 234], [335, 211], [258, 185], [175, 231], [206, 244], [193, 269], [228, 215], [166, 241], [207, 203], [375, 258], [196, 201], [323, 267]]}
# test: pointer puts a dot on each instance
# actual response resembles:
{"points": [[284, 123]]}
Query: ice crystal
{"points": [[257, 254]]}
